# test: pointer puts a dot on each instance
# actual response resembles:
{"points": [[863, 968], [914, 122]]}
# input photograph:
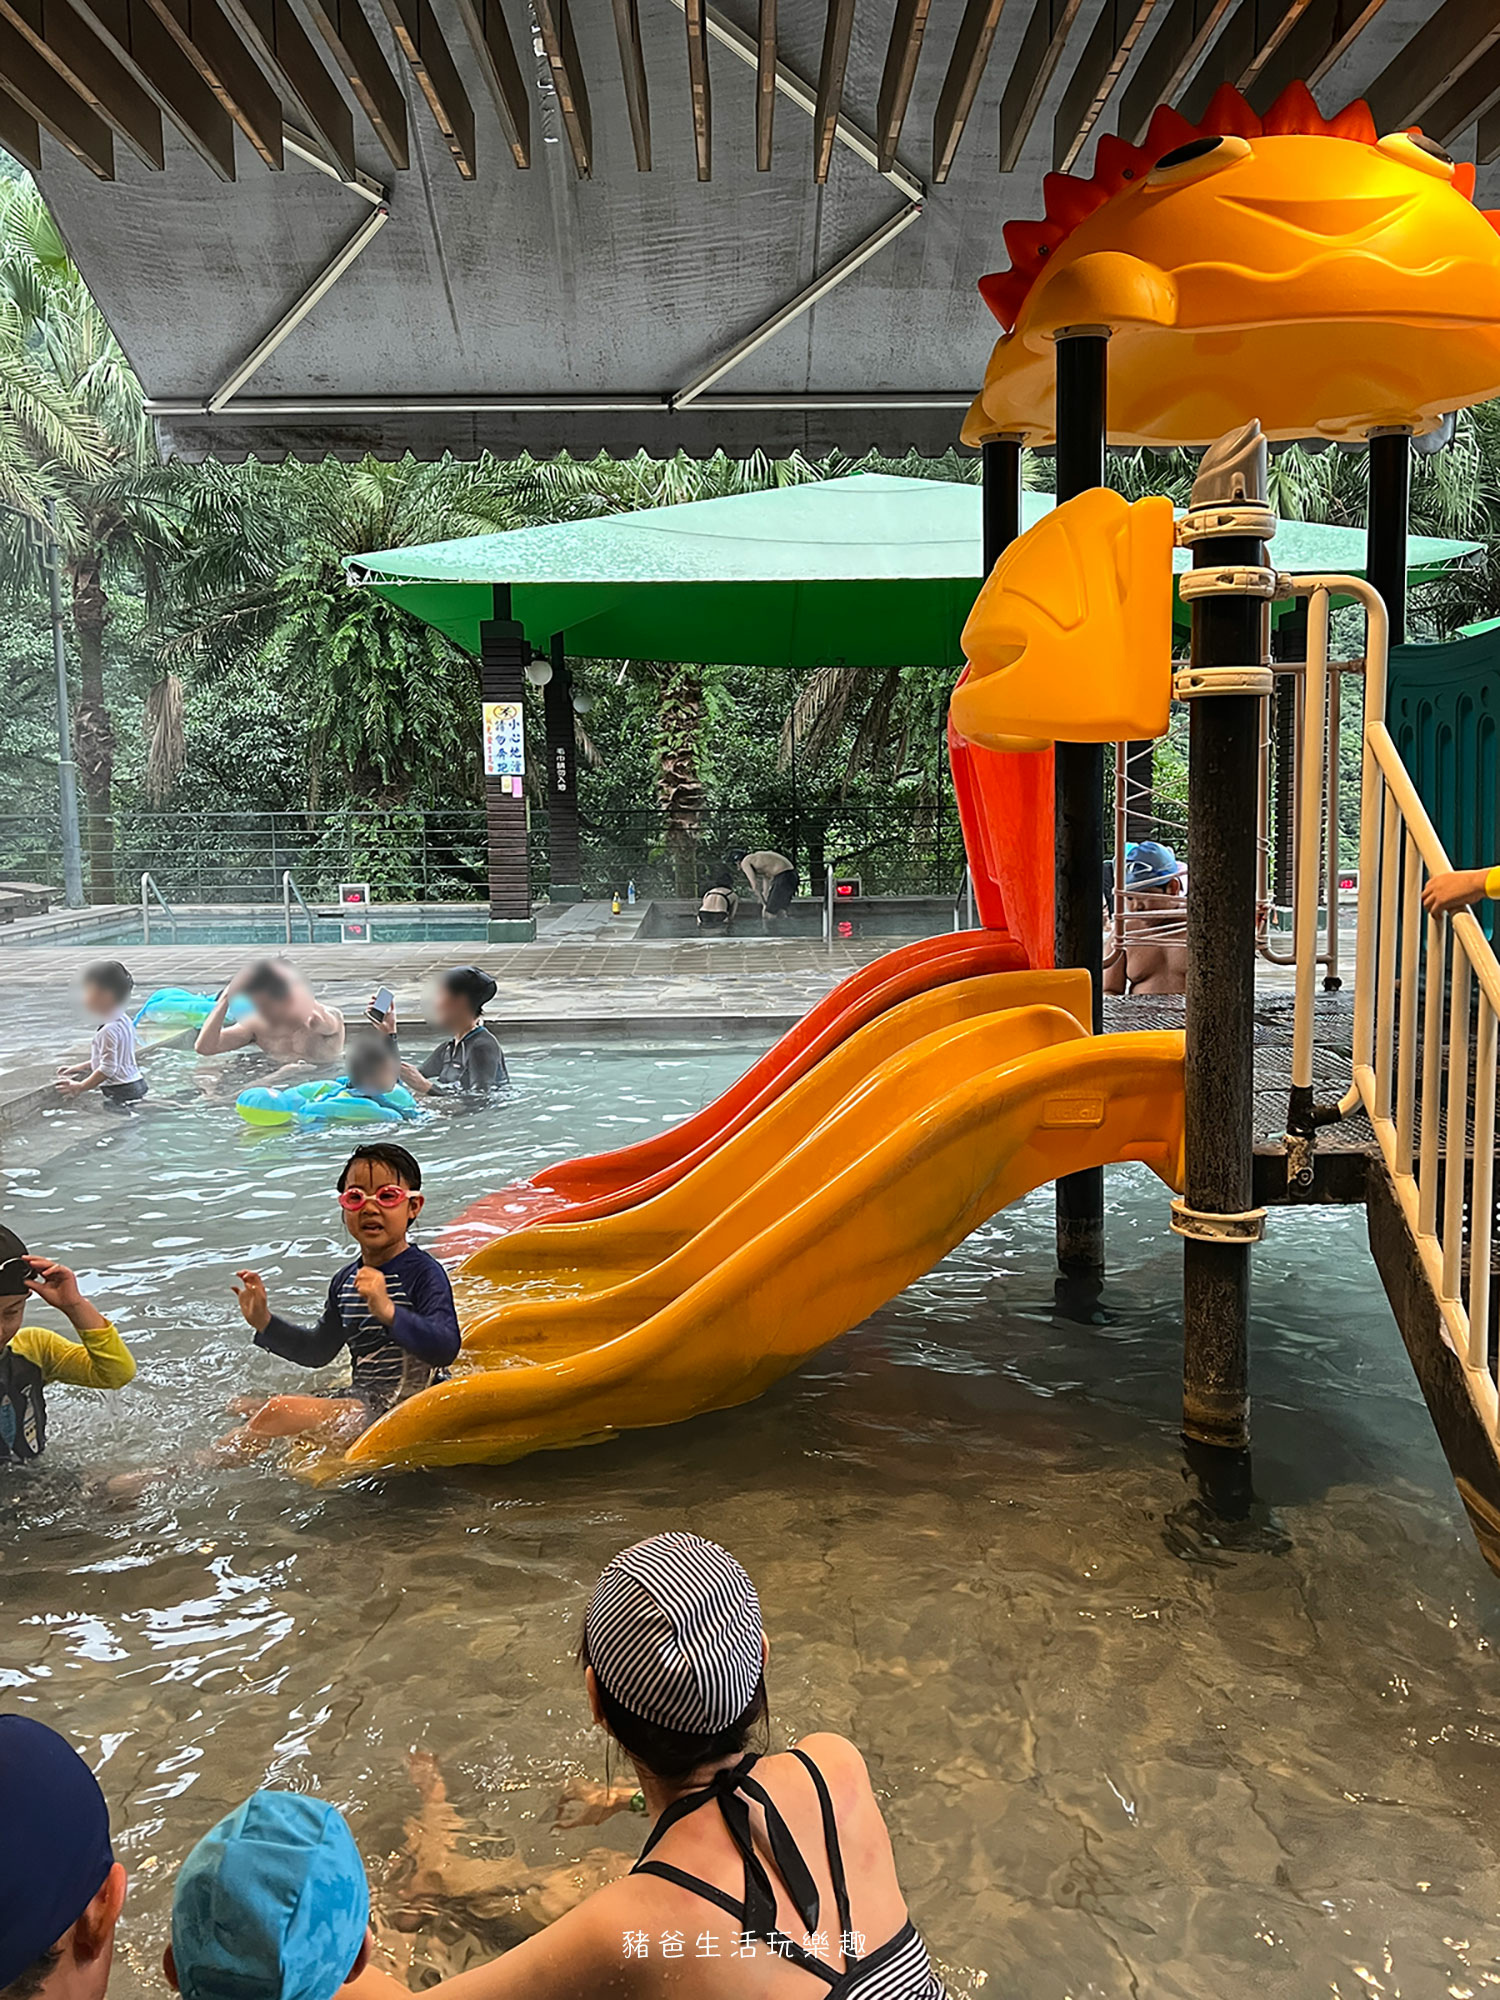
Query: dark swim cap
{"points": [[54, 1841], [12, 1277], [470, 984]]}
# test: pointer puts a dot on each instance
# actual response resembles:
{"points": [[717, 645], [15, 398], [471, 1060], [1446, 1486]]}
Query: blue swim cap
{"points": [[54, 1841], [1149, 863], [273, 1903]]}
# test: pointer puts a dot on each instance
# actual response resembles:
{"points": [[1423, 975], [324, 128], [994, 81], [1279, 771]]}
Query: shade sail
{"points": [[869, 571]]}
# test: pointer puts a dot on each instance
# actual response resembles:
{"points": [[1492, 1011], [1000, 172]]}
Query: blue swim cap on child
{"points": [[1149, 863], [54, 1841], [273, 1902]]}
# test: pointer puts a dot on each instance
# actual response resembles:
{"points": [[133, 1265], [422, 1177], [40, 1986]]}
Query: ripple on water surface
{"points": [[1117, 1759]]}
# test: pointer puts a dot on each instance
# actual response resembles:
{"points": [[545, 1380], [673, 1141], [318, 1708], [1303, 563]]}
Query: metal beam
{"points": [[206, 36], [1184, 34], [293, 317], [1109, 47], [415, 404], [93, 71], [153, 58], [633, 73], [305, 147], [1252, 35], [1324, 33], [1470, 98], [796, 306], [901, 57], [971, 51], [43, 95], [284, 46], [495, 52], [1448, 43], [765, 83], [555, 25], [420, 40], [352, 44], [693, 13], [1041, 49], [838, 26]]}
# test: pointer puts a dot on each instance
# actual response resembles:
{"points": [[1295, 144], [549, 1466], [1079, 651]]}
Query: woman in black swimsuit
{"points": [[471, 1062], [763, 1877]]}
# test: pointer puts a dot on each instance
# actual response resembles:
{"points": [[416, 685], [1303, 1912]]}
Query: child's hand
{"points": [[386, 1022], [69, 1086], [1454, 891], [54, 1284], [413, 1078], [370, 1284], [251, 1293]]}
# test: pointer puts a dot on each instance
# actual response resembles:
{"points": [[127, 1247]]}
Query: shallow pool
{"points": [[1118, 1759]]}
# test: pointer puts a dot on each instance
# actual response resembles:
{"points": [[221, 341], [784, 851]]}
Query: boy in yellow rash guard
{"points": [[31, 1356], [1459, 888]]}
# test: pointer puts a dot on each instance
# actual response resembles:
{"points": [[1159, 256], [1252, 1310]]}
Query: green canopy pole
{"points": [[564, 869], [503, 655]]}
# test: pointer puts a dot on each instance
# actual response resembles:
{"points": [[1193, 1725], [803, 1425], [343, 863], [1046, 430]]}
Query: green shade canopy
{"points": [[871, 571]]}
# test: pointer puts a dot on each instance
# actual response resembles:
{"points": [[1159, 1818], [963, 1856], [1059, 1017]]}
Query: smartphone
{"points": [[382, 1004]]}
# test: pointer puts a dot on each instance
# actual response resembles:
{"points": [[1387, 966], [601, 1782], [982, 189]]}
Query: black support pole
{"points": [[1078, 785], [1000, 469], [565, 874], [1385, 523], [1289, 643], [503, 655], [1223, 791]]}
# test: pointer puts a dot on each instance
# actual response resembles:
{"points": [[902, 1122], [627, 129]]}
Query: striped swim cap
{"points": [[674, 1634]]}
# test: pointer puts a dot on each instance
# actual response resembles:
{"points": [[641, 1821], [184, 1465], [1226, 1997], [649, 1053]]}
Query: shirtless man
{"points": [[287, 1023], [1155, 923], [772, 877]]}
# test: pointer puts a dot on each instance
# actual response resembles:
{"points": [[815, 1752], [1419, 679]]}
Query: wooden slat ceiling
{"points": [[89, 73]]}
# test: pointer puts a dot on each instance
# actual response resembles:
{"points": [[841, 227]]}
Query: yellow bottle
{"points": [[614, 908]]}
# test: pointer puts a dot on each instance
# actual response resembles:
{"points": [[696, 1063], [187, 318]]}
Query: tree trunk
{"points": [[93, 734], [679, 732]]}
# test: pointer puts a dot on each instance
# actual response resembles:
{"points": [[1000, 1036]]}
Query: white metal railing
{"points": [[148, 890], [1426, 1005], [289, 889]]}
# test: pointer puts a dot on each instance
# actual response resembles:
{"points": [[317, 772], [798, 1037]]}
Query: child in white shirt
{"points": [[113, 1068]]}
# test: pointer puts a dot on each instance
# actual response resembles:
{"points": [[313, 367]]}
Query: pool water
{"points": [[1119, 1757], [272, 931]]}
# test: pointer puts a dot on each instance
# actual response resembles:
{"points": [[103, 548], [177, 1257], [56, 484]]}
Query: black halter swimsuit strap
{"points": [[831, 1843]]}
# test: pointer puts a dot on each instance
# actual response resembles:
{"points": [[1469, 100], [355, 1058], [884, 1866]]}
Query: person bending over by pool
{"points": [[717, 910], [113, 1067], [392, 1307], [762, 1876], [471, 1063], [286, 1022], [61, 1888], [33, 1356], [772, 877]]}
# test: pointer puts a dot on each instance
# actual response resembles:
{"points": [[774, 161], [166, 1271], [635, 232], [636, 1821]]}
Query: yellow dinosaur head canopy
{"points": [[1302, 269]]}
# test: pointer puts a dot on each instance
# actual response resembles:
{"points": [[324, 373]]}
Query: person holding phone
{"points": [[33, 1356], [471, 1063]]}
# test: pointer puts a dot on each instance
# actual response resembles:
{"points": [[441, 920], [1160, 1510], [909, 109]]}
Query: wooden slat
{"points": [[1177, 44], [20, 134], [1487, 139], [206, 36], [153, 58], [1324, 33], [92, 70], [1448, 43], [48, 98], [420, 40], [494, 51], [555, 25], [1106, 52], [765, 83], [1041, 49], [698, 86], [284, 46], [971, 51], [352, 44], [1468, 101], [901, 57], [838, 26], [1252, 35], [633, 73]]}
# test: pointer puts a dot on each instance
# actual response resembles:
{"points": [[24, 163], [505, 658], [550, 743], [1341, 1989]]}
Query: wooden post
{"points": [[564, 868], [503, 654]]}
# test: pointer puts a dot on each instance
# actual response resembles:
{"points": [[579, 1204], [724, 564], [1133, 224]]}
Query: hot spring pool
{"points": [[1118, 1760]]}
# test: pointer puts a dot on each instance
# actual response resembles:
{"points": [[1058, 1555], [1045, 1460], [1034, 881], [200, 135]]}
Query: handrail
{"points": [[148, 890], [288, 890]]}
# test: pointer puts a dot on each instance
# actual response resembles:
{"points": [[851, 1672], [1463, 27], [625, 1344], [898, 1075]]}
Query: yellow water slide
{"points": [[855, 1182]]}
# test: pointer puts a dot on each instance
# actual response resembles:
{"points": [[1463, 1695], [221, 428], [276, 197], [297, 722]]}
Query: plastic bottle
{"points": [[630, 890], [614, 908]]}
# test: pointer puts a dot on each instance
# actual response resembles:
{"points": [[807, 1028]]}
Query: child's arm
{"points": [[98, 1359], [215, 1037], [428, 1327], [1458, 889], [308, 1346], [74, 1084]]}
